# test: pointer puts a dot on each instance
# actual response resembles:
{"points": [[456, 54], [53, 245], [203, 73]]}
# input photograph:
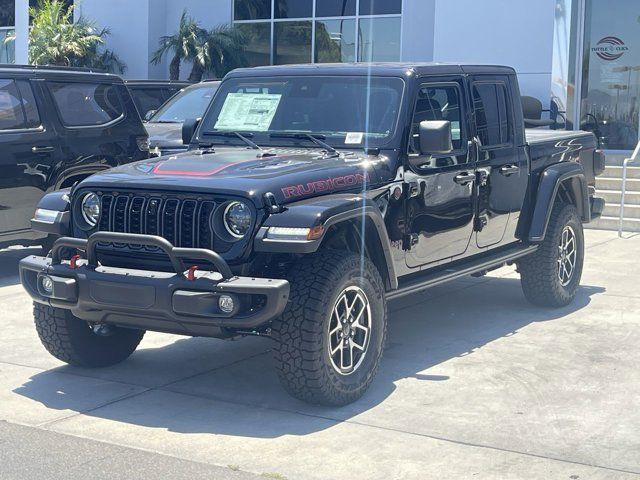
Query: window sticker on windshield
{"points": [[248, 111], [455, 130], [354, 138]]}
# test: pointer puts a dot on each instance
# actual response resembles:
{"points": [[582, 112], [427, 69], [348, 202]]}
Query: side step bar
{"points": [[431, 279]]}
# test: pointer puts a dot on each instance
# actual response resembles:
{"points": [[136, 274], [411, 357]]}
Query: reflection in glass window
{"points": [[380, 7], [292, 42], [293, 8], [11, 113], [252, 9], [7, 13], [32, 116], [7, 47], [258, 49], [379, 40], [86, 104], [335, 41], [335, 8]]}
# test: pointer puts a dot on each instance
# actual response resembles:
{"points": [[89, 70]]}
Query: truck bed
{"points": [[536, 135]]}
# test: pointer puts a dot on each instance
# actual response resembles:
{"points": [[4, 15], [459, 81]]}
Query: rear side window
{"points": [[18, 108], [493, 121], [86, 104], [147, 99]]}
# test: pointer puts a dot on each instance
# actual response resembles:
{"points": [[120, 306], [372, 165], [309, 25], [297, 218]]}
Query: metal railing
{"points": [[633, 158]]}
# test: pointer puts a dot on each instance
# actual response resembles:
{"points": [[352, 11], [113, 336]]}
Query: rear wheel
{"points": [[332, 334], [72, 340], [551, 275]]}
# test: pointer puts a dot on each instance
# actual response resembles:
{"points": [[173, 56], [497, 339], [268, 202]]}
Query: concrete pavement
{"points": [[475, 383]]}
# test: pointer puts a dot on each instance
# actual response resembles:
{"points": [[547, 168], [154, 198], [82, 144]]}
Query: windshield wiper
{"points": [[317, 139], [244, 138]]}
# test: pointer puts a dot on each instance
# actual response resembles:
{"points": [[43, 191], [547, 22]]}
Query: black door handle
{"points": [[464, 178], [509, 170], [38, 150]]}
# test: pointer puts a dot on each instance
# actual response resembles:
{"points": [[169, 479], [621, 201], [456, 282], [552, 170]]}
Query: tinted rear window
{"points": [[147, 99], [86, 104]]}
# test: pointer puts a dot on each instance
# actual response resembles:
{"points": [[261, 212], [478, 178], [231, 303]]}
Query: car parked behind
{"points": [[165, 126], [149, 95], [57, 127]]}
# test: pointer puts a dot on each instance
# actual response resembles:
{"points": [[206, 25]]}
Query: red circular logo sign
{"points": [[610, 48]]}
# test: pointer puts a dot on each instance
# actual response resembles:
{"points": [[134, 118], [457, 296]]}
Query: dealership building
{"points": [[583, 54]]}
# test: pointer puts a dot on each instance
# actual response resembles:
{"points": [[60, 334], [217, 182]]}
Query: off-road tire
{"points": [[71, 340], [539, 270], [301, 333]]}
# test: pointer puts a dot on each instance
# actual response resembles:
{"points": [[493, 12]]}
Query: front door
{"points": [[440, 207], [501, 165], [28, 155]]}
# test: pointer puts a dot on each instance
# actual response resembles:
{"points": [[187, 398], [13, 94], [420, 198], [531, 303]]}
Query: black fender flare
{"points": [[326, 212], [550, 180], [55, 223]]}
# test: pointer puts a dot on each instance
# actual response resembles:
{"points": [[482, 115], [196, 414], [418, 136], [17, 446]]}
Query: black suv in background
{"points": [[57, 127], [150, 95]]}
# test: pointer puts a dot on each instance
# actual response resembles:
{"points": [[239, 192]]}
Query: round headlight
{"points": [[91, 209], [237, 219]]}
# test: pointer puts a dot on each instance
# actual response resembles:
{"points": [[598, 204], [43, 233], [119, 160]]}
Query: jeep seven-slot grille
{"points": [[183, 222]]}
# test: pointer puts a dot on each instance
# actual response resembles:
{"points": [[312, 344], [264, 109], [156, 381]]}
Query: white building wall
{"points": [[518, 33], [418, 18]]}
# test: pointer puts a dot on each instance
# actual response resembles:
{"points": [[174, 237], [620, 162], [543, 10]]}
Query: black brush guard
{"points": [[185, 301]]}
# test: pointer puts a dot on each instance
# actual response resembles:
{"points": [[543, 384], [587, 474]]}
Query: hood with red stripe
{"points": [[289, 174]]}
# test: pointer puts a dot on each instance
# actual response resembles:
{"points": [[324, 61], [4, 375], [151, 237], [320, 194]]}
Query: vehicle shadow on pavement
{"points": [[425, 331], [9, 260]]}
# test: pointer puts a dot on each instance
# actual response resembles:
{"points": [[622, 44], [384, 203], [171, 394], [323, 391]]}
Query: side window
{"points": [[437, 102], [493, 121], [32, 116], [11, 112], [86, 104]]}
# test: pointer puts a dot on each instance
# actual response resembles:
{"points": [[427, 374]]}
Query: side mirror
{"points": [[149, 115], [189, 128], [435, 137]]}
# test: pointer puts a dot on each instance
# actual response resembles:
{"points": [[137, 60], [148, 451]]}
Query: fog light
{"points": [[46, 283], [226, 303]]}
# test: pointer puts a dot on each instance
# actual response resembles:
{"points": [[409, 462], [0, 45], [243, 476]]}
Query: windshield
{"points": [[189, 103], [344, 111]]}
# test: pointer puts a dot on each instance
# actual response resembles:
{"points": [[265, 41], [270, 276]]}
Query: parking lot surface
{"points": [[475, 383]]}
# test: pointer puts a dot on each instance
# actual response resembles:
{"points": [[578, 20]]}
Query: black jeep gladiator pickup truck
{"points": [[310, 196]]}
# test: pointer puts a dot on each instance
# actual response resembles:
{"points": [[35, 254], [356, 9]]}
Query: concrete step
{"points": [[611, 223], [616, 159], [614, 196], [613, 210], [603, 183], [616, 172]]}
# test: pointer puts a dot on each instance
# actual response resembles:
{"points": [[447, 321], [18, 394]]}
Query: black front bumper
{"points": [[158, 301]]}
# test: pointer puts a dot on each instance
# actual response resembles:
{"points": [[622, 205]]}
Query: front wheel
{"points": [[551, 275], [72, 340], [331, 336]]}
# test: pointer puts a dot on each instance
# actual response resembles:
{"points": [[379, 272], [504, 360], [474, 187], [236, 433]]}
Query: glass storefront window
{"points": [[610, 97], [7, 45], [258, 35], [379, 39], [380, 7], [7, 13], [335, 8], [335, 41], [252, 9], [292, 42], [293, 8]]}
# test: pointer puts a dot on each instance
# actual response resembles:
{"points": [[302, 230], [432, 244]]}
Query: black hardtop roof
{"points": [[395, 69], [40, 71], [140, 82]]}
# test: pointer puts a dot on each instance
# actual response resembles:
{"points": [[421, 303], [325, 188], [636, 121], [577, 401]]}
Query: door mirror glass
{"points": [[189, 128], [149, 115], [435, 137]]}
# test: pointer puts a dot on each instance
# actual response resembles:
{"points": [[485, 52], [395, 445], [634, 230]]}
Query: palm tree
{"points": [[220, 50], [55, 39], [183, 44]]}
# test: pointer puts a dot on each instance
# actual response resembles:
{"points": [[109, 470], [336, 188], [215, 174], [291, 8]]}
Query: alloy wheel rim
{"points": [[567, 255], [349, 330]]}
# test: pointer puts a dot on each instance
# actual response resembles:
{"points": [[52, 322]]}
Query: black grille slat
{"points": [[183, 221], [170, 220]]}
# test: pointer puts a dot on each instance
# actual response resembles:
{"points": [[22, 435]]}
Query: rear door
{"points": [[502, 172], [440, 209], [30, 150]]}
